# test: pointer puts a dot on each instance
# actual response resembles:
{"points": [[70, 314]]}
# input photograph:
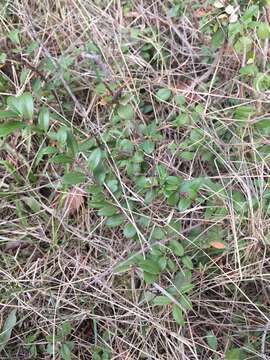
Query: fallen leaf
{"points": [[217, 245], [74, 200]]}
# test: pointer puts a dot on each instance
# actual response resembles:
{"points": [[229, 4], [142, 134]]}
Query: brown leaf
{"points": [[74, 200], [217, 245]]}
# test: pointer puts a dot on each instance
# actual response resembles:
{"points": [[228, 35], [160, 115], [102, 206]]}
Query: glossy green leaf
{"points": [[9, 127], [187, 262], [66, 328], [149, 278], [107, 210], [181, 120], [23, 75], [163, 94], [218, 38], [65, 351], [44, 119], [187, 155], [8, 326], [233, 354], [178, 315], [113, 185], [263, 31], [162, 300], [179, 100], [62, 135], [158, 234], [176, 247], [148, 146], [115, 221], [212, 340], [27, 105], [129, 231], [7, 114], [184, 204], [185, 302], [182, 280], [95, 158], [72, 144], [62, 159], [125, 112], [150, 266], [73, 178], [14, 36]]}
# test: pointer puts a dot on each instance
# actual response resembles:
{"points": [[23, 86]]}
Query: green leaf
{"points": [[148, 146], [243, 44], [263, 31], [24, 74], [162, 262], [87, 145], [107, 210], [162, 300], [62, 159], [179, 100], [150, 266], [15, 104], [113, 185], [10, 127], [129, 231], [45, 151], [49, 349], [14, 36], [218, 38], [176, 247], [125, 112], [65, 352], [244, 112], [125, 265], [182, 280], [157, 234], [101, 89], [73, 177], [181, 120], [163, 94], [115, 220], [212, 340], [149, 278], [95, 159], [184, 204], [233, 30], [62, 135], [27, 105], [7, 328], [187, 262], [178, 315], [126, 146], [250, 69], [32, 203], [66, 328], [233, 354], [3, 57], [187, 155], [72, 144], [44, 119], [251, 12], [185, 302], [6, 114]]}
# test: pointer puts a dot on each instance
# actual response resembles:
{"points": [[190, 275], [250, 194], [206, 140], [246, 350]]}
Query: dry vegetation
{"points": [[156, 147]]}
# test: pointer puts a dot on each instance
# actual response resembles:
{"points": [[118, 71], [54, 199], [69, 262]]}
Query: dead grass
{"points": [[57, 257]]}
